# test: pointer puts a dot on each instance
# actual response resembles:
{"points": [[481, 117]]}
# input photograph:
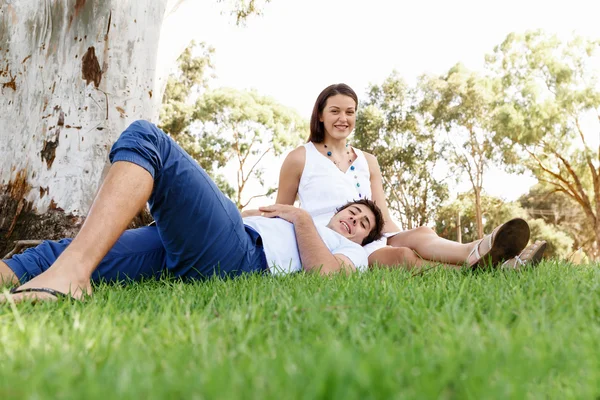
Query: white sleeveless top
{"points": [[324, 187]]}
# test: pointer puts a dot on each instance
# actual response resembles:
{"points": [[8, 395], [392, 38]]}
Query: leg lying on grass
{"points": [[7, 276], [505, 242], [403, 257], [147, 166], [199, 232], [123, 193]]}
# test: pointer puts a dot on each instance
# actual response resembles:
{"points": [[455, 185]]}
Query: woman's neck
{"points": [[336, 146]]}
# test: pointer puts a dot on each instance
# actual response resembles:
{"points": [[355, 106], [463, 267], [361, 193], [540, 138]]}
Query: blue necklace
{"points": [[338, 162], [352, 168]]}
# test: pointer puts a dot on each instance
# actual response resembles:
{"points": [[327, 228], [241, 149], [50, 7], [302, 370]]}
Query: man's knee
{"points": [[142, 143], [393, 256], [405, 255], [141, 124], [143, 129], [424, 231]]}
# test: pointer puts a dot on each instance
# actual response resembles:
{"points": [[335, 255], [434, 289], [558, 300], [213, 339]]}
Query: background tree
{"points": [[391, 126], [242, 9], [560, 244], [562, 212], [550, 109], [497, 211], [249, 127], [73, 75], [463, 102], [191, 78]]}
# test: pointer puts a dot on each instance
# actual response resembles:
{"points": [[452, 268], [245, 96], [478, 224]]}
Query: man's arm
{"points": [[314, 254]]}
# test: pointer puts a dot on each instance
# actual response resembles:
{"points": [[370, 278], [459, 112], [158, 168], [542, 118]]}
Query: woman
{"points": [[326, 172]]}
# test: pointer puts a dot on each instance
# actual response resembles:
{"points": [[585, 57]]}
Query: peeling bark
{"points": [[90, 67], [56, 128]]}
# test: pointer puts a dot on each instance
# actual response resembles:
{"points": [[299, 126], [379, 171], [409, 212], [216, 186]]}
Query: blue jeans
{"points": [[199, 232]]}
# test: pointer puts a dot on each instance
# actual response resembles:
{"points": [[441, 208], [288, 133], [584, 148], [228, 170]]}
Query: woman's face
{"points": [[339, 116]]}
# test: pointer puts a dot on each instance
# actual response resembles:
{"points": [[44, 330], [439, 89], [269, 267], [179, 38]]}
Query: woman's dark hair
{"points": [[376, 230], [317, 130]]}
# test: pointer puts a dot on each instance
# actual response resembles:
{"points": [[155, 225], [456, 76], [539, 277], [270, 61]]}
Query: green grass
{"points": [[384, 334]]}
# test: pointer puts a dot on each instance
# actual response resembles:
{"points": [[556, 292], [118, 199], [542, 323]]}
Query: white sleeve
{"points": [[355, 253], [376, 245], [380, 243]]}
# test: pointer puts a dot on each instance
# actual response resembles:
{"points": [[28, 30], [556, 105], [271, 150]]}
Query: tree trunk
{"points": [[458, 228], [595, 253], [73, 75], [478, 213]]}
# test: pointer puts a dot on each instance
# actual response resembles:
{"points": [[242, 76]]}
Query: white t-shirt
{"points": [[281, 248], [324, 187]]}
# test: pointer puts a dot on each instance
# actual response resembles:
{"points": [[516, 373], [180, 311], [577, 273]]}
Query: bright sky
{"points": [[298, 47]]}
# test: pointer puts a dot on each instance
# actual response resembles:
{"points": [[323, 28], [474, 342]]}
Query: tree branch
{"points": [[585, 145], [249, 149], [554, 174], [573, 174], [254, 197], [258, 161]]}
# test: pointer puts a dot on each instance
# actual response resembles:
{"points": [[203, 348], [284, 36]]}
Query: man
{"points": [[199, 231]]}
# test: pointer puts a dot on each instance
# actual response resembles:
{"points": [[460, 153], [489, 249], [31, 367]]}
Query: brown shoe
{"points": [[505, 242], [532, 255]]}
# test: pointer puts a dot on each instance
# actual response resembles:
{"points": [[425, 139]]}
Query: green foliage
{"points": [[242, 9], [390, 125], [192, 76], [221, 125], [462, 102], [559, 210], [550, 89], [176, 115], [560, 244], [495, 212], [250, 127], [377, 335]]}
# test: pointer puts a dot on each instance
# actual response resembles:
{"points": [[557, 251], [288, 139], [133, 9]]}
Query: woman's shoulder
{"points": [[370, 158], [295, 158], [298, 154]]}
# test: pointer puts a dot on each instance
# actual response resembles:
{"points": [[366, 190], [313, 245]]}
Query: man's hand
{"points": [[289, 213], [314, 254], [251, 213]]}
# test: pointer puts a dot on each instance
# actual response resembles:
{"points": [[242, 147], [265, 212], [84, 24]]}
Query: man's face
{"points": [[354, 222]]}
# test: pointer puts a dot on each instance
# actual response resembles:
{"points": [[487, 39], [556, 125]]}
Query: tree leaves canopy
{"points": [[391, 125]]}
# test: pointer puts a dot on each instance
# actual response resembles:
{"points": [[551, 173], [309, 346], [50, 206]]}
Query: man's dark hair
{"points": [[376, 231], [317, 129]]}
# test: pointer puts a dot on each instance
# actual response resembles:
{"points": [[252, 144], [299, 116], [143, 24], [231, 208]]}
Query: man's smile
{"points": [[346, 226]]}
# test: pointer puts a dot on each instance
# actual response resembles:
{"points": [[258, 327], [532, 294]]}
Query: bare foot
{"points": [[59, 279]]}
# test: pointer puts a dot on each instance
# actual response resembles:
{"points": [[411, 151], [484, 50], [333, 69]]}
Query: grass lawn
{"points": [[384, 334]]}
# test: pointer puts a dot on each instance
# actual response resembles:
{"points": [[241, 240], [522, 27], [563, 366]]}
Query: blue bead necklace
{"points": [[352, 168], [338, 162]]}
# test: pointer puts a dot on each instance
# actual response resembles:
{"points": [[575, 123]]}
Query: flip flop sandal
{"points": [[55, 293], [506, 241], [532, 255]]}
